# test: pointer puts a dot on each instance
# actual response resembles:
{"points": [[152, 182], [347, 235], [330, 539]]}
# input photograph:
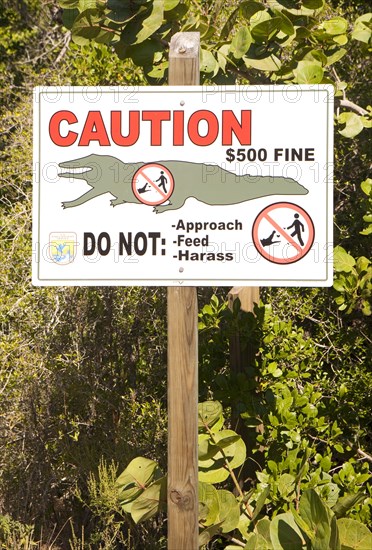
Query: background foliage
{"points": [[82, 375]]}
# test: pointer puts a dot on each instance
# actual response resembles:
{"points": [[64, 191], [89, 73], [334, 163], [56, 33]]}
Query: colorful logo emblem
{"points": [[62, 247]]}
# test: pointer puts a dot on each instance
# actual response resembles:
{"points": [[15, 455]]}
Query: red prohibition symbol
{"points": [[153, 184], [283, 233]]}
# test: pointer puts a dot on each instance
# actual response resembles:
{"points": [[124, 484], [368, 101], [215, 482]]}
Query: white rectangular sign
{"points": [[183, 185]]}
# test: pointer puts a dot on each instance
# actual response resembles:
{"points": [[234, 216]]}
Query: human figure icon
{"points": [[163, 180], [298, 229]]}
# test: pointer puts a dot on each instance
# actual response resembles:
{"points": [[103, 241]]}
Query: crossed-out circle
{"points": [[153, 184], [279, 242]]}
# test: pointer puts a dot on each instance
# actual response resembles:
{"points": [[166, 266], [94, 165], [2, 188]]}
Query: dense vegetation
{"points": [[82, 375]]}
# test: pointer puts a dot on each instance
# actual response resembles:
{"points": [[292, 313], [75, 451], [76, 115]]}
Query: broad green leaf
{"points": [[213, 474], [334, 541], [362, 29], [317, 56], [69, 16], [366, 186], [122, 15], [214, 470], [209, 412], [286, 24], [302, 33], [286, 485], [270, 63], [119, 4], [334, 26], [246, 9], [262, 527], [330, 491], [340, 39], [177, 13], [342, 260], [260, 502], [354, 535], [362, 34], [264, 31], [68, 4], [158, 71], [86, 27], [302, 525], [226, 438], [208, 499], [229, 511], [206, 450], [236, 456], [308, 72], [144, 53], [243, 525], [139, 473], [346, 503], [170, 4], [151, 23], [206, 535], [285, 533], [257, 542], [259, 17], [249, 9], [208, 63], [362, 263], [151, 501], [353, 124], [314, 512], [336, 56], [313, 4], [90, 5], [222, 56], [241, 42]]}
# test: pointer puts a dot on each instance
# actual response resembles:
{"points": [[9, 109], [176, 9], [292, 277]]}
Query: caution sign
{"points": [[283, 233], [153, 184], [183, 185]]}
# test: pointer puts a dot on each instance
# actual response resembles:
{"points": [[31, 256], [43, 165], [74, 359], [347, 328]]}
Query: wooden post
{"points": [[184, 60], [182, 494], [183, 528]]}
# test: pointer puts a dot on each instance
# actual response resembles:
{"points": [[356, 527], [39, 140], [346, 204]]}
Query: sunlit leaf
{"points": [[308, 72], [69, 16], [316, 515], [209, 412], [342, 260], [353, 124], [264, 31], [139, 473], [346, 503], [151, 501], [336, 25], [241, 42], [354, 535], [270, 63], [208, 497], [285, 533], [208, 63], [68, 4]]}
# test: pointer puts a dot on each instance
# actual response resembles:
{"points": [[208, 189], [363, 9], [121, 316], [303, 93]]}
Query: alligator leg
{"points": [[91, 194]]}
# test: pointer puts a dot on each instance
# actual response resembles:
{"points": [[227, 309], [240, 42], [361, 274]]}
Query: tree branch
{"points": [[353, 106]]}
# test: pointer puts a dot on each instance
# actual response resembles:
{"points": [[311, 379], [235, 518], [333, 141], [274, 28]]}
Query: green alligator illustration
{"points": [[209, 184]]}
